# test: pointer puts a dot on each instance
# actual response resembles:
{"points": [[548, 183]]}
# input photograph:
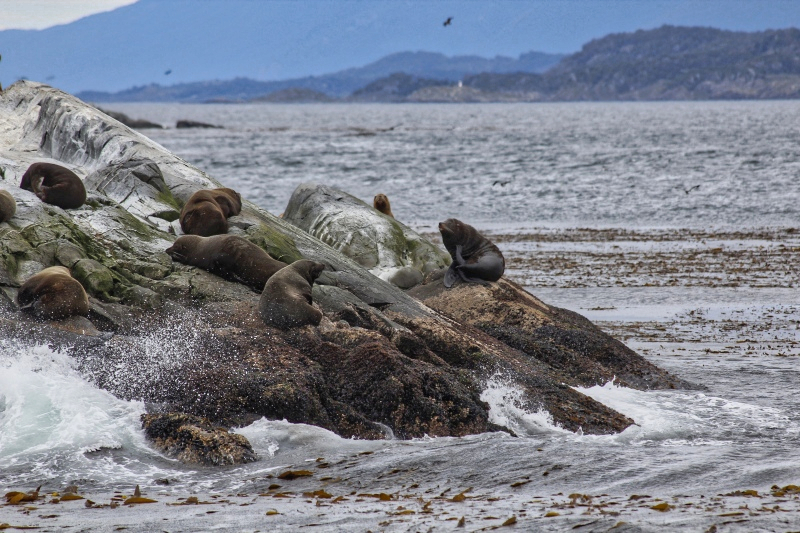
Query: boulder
{"points": [[386, 247], [195, 440]]}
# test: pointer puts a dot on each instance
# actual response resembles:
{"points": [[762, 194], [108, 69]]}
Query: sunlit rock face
{"points": [[381, 244]]}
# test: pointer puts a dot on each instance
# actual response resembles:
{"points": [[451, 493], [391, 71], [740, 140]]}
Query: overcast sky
{"points": [[40, 14]]}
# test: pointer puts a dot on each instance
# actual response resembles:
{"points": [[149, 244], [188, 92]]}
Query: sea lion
{"points": [[475, 258], [286, 300], [207, 211], [228, 256], [228, 200], [8, 206], [381, 203], [55, 185], [52, 294]]}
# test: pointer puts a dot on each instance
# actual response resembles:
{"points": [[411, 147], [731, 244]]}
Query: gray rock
{"points": [[386, 247]]}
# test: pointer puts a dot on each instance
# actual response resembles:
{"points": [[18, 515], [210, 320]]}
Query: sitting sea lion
{"points": [[8, 206], [53, 293], [55, 185], [228, 256], [207, 211], [475, 258], [381, 203], [286, 300]]}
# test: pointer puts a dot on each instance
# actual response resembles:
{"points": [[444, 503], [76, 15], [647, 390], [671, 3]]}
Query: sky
{"points": [[119, 44], [40, 14]]}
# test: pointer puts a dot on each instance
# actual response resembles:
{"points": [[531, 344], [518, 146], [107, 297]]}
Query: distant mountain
{"points": [[296, 96], [668, 63], [394, 88], [338, 84]]}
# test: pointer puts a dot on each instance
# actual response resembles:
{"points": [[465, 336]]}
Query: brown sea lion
{"points": [[475, 258], [207, 211], [55, 185], [381, 203], [228, 200], [52, 294], [228, 256], [8, 206], [286, 300]]}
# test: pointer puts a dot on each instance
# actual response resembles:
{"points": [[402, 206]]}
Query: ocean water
{"points": [[507, 169]]}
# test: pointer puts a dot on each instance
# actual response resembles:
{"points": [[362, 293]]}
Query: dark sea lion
{"points": [[286, 300], [475, 258], [381, 203], [228, 256], [207, 211], [228, 200], [55, 185], [8, 206], [52, 294]]}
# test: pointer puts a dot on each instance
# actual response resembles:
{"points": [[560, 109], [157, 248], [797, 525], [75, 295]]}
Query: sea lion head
{"points": [[228, 200], [454, 233], [310, 270], [381, 203], [183, 247], [450, 228]]}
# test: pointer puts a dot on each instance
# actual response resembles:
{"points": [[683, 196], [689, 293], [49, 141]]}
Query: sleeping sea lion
{"points": [[55, 185], [286, 300], [228, 200], [207, 211], [475, 258], [8, 206], [52, 294], [228, 256], [381, 203]]}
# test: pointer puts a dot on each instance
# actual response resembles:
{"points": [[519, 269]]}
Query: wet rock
{"points": [[195, 440], [563, 340]]}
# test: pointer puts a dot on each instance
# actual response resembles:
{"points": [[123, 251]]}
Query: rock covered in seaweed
{"points": [[195, 440]]}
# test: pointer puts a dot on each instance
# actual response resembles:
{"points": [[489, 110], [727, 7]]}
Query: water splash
{"points": [[508, 407], [55, 425]]}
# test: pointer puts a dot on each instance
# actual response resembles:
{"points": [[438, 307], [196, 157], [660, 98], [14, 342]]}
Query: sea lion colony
{"points": [[286, 300]]}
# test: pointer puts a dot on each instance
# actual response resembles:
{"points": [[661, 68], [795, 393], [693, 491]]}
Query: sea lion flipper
{"points": [[459, 258], [451, 276]]}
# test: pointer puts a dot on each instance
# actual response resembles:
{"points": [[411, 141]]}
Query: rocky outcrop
{"points": [[195, 440], [186, 124], [386, 247], [135, 123], [382, 361]]}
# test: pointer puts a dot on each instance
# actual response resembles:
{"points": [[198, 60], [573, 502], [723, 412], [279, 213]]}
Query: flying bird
{"points": [[690, 189], [168, 72], [448, 21]]}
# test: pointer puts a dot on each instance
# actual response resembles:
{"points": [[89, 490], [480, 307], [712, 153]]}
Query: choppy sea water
{"points": [[507, 169]]}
